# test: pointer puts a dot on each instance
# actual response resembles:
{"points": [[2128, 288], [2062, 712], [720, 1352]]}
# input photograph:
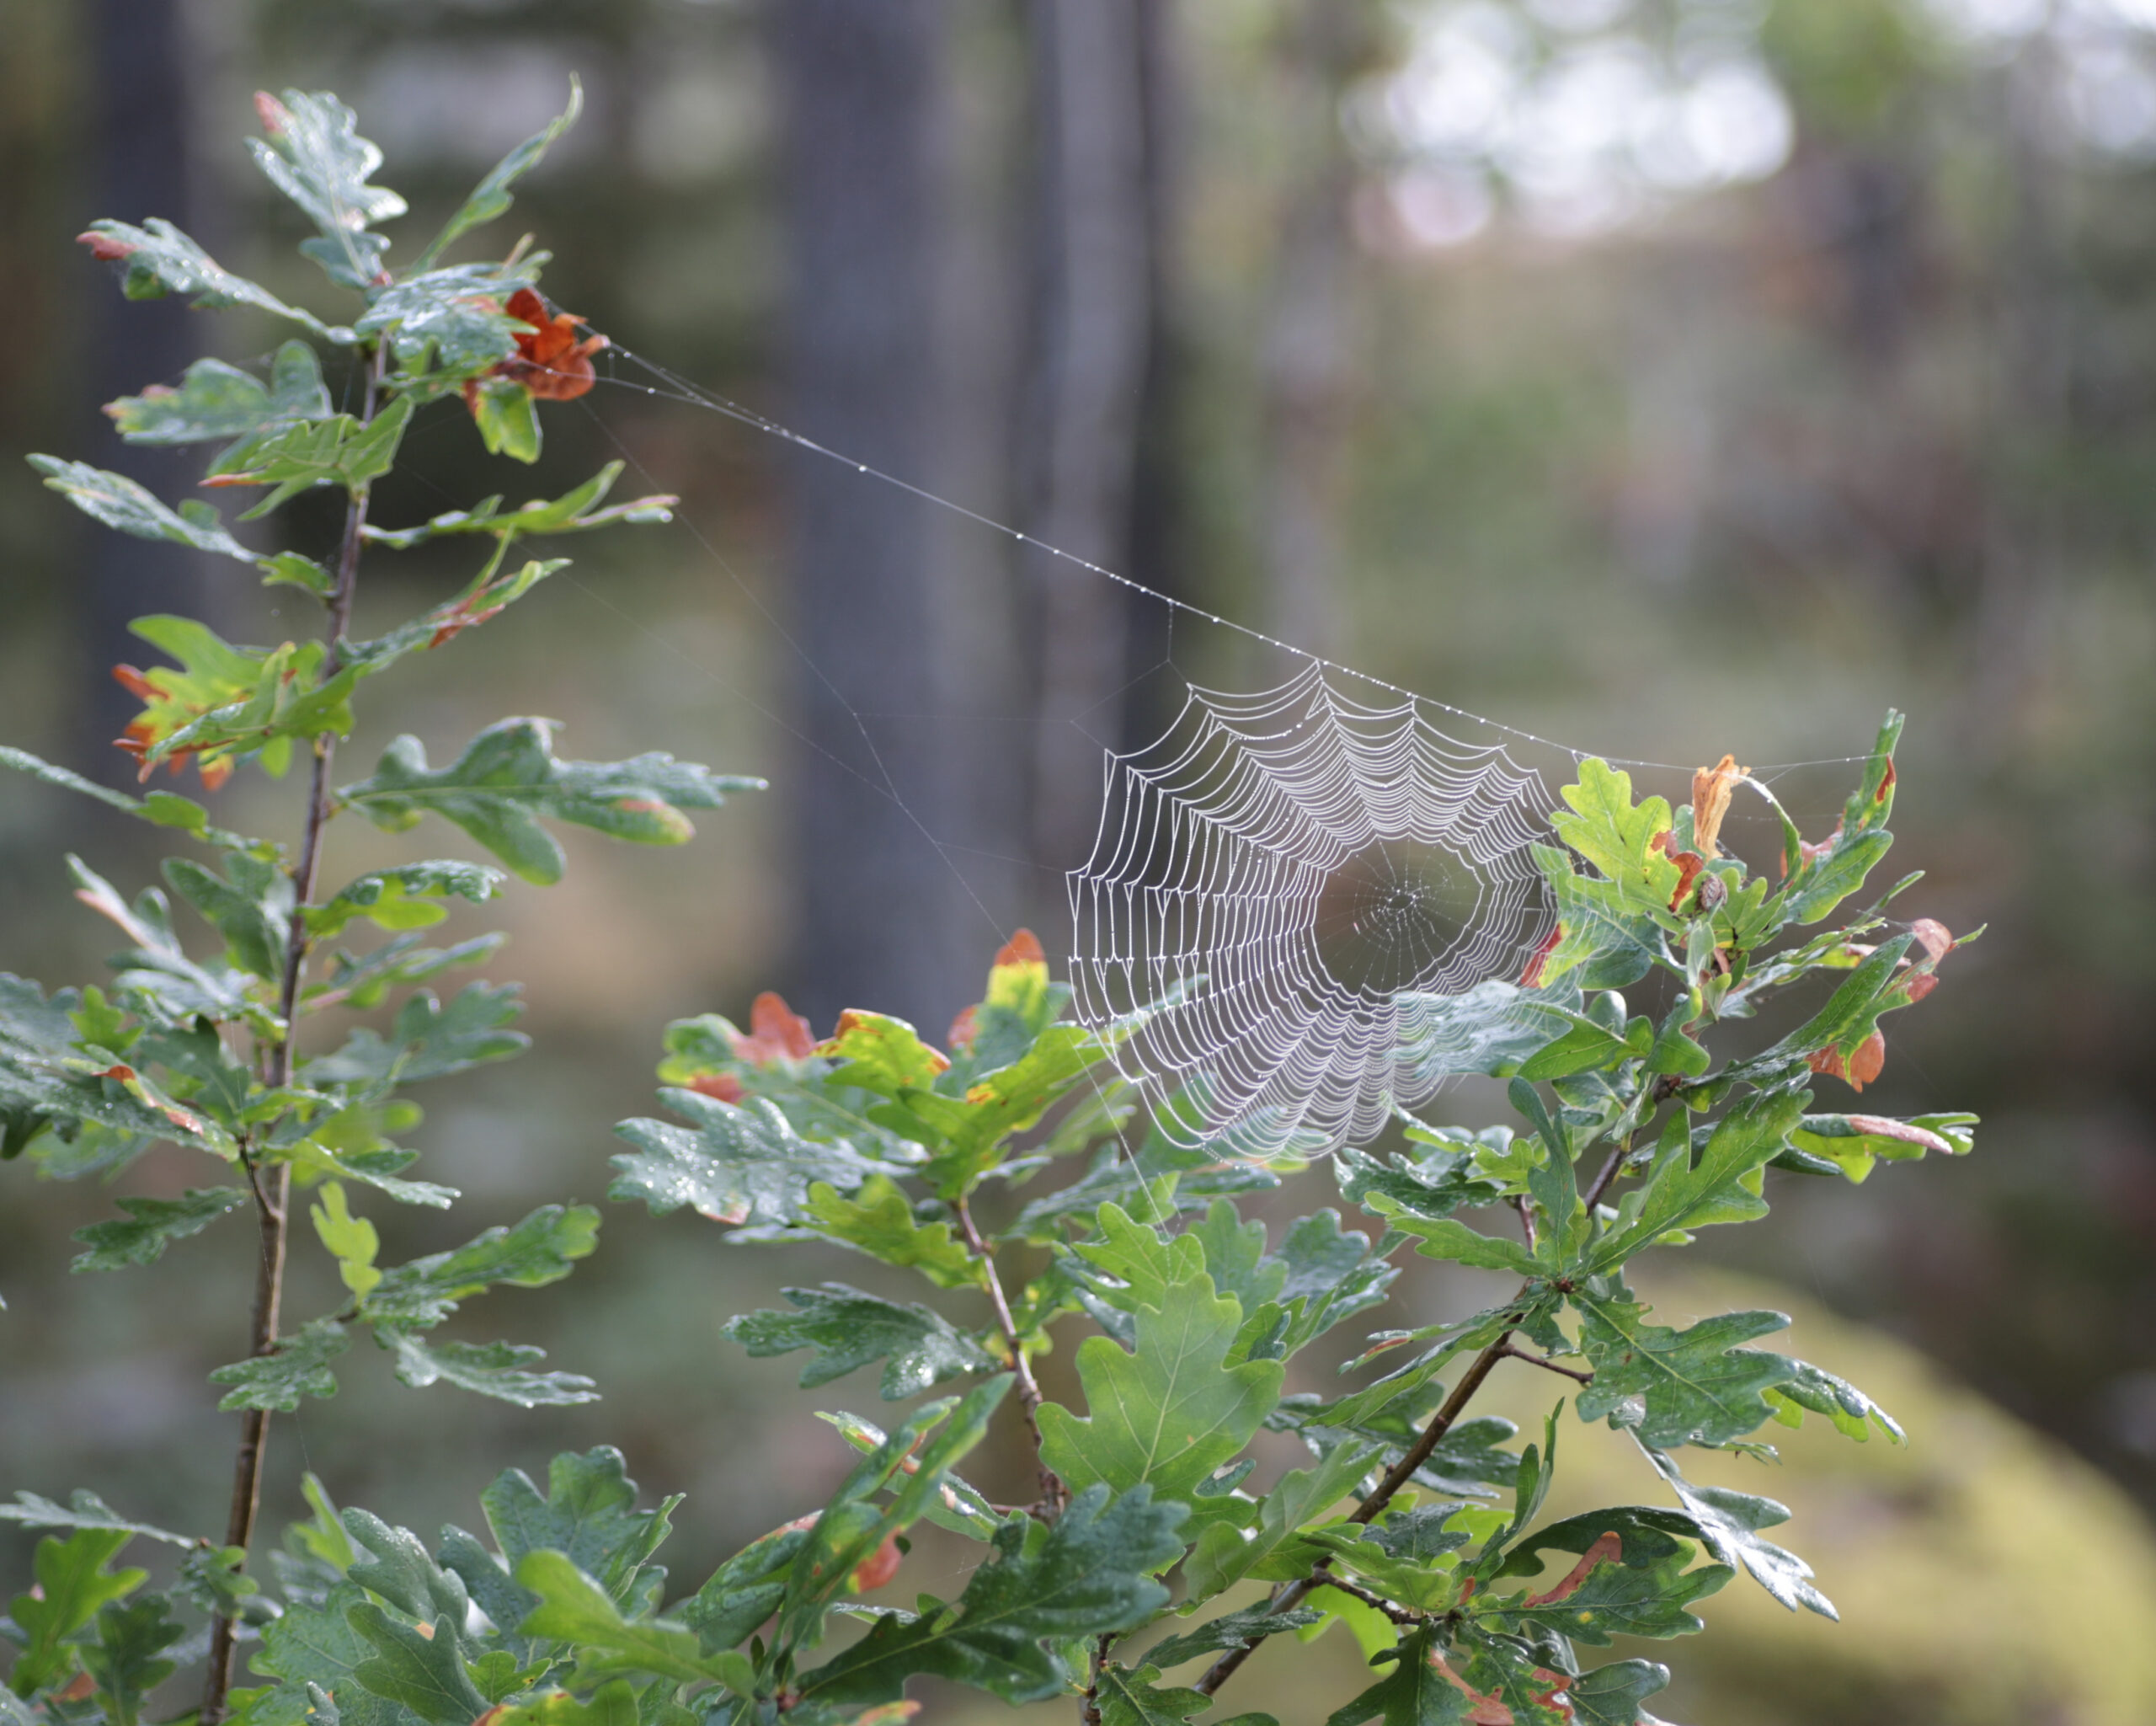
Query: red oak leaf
{"points": [[1023, 947], [1689, 862], [1531, 978], [105, 246], [878, 1568], [723, 1085], [1937, 940], [776, 1032], [1861, 1067], [550, 361], [962, 1031]]}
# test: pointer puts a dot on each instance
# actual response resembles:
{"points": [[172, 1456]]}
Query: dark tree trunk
{"points": [[139, 151], [1091, 336], [1158, 521], [1304, 369], [886, 920]]}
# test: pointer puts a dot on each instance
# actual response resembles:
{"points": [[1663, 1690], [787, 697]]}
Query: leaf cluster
{"points": [[1010, 1169]]}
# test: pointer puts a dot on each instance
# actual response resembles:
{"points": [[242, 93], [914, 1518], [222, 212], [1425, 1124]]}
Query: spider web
{"points": [[1304, 889]]}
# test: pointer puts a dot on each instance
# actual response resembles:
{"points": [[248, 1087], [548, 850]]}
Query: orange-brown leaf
{"points": [[776, 1032], [964, 1029], [1023, 947], [1859, 1070], [878, 1568], [1689, 865], [1607, 1548], [1712, 789], [1531, 978]]}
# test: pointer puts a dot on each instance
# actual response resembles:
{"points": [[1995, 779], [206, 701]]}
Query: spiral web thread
{"points": [[1300, 885]]}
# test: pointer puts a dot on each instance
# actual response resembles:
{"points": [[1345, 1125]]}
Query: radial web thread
{"points": [[1302, 887]]}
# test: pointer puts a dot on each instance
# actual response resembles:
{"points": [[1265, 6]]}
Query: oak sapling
{"points": [[208, 1051], [1012, 1171]]}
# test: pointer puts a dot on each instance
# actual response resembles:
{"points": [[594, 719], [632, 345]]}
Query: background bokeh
{"points": [[1663, 376]]}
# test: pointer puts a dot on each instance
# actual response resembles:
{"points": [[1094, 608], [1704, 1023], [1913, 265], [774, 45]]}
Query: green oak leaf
{"points": [[1489, 1028], [1169, 1412], [1443, 1238], [1612, 1695], [1605, 827], [1129, 1699], [157, 259], [1729, 1523], [1225, 1553], [128, 1660], [1231, 1630], [502, 1370], [1678, 1192], [120, 502], [315, 1643], [427, 1041], [73, 1584], [299, 1367], [1672, 1388], [84, 1510], [878, 1219], [1633, 1587], [455, 312], [150, 1226], [541, 1249], [215, 400], [508, 777], [292, 458], [402, 897], [314, 155], [251, 908], [853, 1523], [161, 809], [491, 199], [849, 1329], [1852, 1412], [421, 1671], [1417, 1690], [1089, 1574], [743, 1164], [575, 1609], [588, 1511], [576, 511]]}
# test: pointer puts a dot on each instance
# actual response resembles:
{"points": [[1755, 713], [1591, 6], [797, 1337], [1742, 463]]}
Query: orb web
{"points": [[1296, 885]]}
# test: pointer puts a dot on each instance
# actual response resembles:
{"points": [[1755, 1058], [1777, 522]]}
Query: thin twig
{"points": [[1090, 1714], [1054, 1495], [1547, 1365], [1399, 1615], [273, 1208], [1593, 1195], [1222, 1670]]}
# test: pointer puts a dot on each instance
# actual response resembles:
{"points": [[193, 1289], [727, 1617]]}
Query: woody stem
{"points": [[1054, 1494], [273, 1204]]}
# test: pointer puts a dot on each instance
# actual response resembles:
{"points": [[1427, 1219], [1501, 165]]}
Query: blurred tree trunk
{"points": [[885, 921], [1159, 548], [140, 59], [1091, 335], [1305, 368], [2030, 429]]}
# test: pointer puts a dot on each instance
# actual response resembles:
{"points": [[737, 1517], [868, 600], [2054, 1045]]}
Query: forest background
{"points": [[1666, 376]]}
